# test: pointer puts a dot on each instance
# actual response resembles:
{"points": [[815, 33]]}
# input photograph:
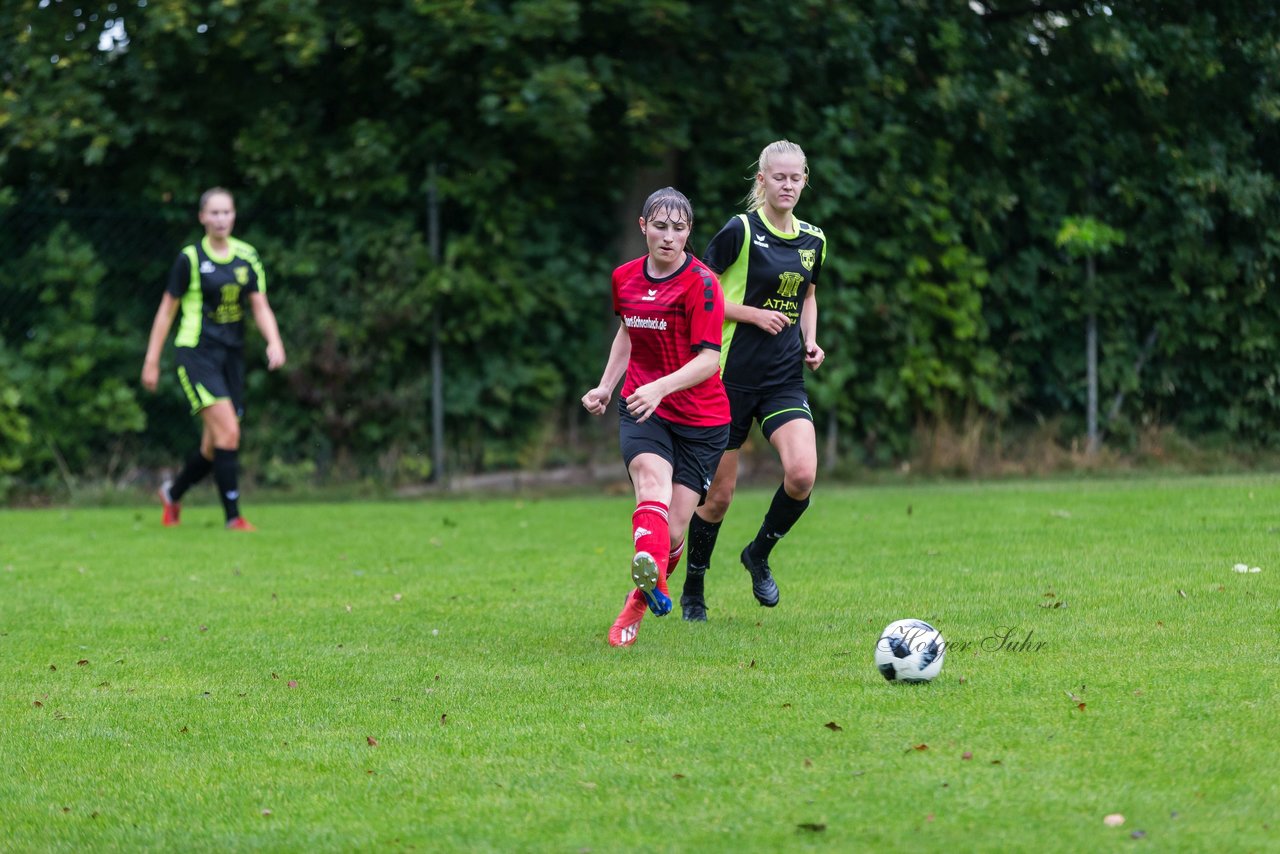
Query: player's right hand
{"points": [[772, 322], [595, 401], [150, 376]]}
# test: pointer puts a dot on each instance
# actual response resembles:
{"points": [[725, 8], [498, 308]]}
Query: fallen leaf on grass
{"points": [[266, 813], [966, 755], [293, 683], [82, 662], [833, 726], [397, 597], [38, 704], [1058, 604], [1138, 834], [677, 776], [920, 747], [812, 827], [929, 818], [444, 719], [373, 742], [808, 763], [1113, 820], [1182, 593]]}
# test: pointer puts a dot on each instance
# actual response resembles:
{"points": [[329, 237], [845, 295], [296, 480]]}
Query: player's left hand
{"points": [[275, 356], [644, 401], [814, 356]]}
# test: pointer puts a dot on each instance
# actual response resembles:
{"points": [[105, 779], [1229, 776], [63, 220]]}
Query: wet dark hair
{"points": [[215, 191], [668, 198]]}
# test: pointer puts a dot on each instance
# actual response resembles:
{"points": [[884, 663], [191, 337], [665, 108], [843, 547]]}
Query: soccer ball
{"points": [[910, 651]]}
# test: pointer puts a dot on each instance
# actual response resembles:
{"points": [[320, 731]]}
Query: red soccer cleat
{"points": [[240, 524], [627, 626], [652, 583], [172, 509]]}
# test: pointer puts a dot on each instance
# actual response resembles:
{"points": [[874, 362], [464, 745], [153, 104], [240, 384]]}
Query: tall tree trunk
{"points": [[438, 473], [1091, 367]]}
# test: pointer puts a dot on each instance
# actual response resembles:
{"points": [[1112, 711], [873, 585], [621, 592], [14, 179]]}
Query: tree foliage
{"points": [[948, 144]]}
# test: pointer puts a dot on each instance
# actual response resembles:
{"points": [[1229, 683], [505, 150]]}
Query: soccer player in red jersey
{"points": [[673, 412]]}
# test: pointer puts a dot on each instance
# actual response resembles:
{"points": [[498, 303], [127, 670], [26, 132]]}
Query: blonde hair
{"points": [[755, 198]]}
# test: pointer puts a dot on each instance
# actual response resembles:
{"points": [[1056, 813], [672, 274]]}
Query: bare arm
{"points": [[644, 401], [155, 343], [265, 318], [770, 321], [813, 354], [597, 399]]}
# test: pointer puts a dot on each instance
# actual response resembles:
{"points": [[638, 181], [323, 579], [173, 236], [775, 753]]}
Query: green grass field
{"points": [[433, 676]]}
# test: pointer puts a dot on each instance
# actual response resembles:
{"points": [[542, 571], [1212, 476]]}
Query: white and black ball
{"points": [[910, 651]]}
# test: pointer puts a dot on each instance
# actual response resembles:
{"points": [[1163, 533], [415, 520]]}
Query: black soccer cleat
{"points": [[694, 609], [762, 583]]}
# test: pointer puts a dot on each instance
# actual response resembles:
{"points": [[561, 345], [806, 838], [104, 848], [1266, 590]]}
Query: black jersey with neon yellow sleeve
{"points": [[765, 268], [213, 291]]}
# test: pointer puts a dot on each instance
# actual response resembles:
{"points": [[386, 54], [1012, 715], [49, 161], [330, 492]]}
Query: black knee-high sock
{"points": [[225, 474], [702, 542], [197, 466], [782, 514]]}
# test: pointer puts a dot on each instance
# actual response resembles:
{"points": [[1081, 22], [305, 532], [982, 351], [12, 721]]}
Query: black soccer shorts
{"points": [[212, 373], [771, 407], [694, 452]]}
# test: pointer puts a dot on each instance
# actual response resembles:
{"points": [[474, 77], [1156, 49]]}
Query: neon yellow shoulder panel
{"points": [[192, 304], [733, 281], [243, 250]]}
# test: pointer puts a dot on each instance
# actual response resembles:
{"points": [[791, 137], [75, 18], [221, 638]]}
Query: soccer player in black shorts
{"points": [[768, 262], [673, 413], [212, 282]]}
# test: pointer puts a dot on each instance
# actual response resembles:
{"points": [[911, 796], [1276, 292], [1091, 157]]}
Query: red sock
{"points": [[673, 559], [650, 532]]}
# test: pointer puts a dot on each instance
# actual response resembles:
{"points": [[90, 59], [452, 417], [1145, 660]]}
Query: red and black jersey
{"points": [[669, 320]]}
